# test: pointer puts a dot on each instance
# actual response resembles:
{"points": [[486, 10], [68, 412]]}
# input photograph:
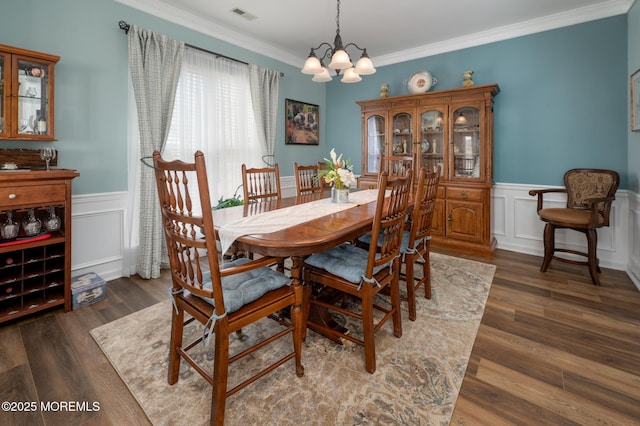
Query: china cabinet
{"points": [[35, 264], [26, 94], [452, 129]]}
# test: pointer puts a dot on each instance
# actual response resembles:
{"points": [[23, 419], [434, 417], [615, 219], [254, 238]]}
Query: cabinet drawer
{"points": [[466, 194], [21, 195]]}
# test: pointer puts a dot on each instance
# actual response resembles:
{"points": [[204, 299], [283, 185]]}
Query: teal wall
{"points": [[563, 101], [92, 80], [634, 65]]}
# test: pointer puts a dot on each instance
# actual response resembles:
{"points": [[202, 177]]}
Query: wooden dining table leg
{"points": [[315, 314]]}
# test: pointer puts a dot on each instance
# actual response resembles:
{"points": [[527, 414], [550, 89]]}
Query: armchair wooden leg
{"points": [[592, 255], [549, 245]]}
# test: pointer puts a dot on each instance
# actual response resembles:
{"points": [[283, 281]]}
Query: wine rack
{"points": [[35, 271]]}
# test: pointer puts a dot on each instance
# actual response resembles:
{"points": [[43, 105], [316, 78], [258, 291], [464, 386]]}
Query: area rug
{"points": [[417, 380]]}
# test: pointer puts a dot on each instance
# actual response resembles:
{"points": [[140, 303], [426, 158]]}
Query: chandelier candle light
{"points": [[340, 60], [339, 174]]}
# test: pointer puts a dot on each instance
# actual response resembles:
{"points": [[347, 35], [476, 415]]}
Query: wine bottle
{"points": [[41, 123]]}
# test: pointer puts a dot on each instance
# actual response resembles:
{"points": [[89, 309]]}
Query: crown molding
{"points": [[551, 22], [196, 23], [229, 35]]}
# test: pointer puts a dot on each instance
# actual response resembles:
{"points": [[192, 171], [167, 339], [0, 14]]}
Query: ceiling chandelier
{"points": [[340, 60]]}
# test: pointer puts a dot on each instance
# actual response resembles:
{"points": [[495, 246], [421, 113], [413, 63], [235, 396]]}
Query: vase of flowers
{"points": [[339, 174]]}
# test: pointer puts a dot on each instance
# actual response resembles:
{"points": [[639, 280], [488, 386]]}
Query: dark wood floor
{"points": [[552, 349]]}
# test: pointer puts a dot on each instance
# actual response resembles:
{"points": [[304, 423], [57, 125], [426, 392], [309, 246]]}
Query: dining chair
{"points": [[307, 181], [416, 237], [364, 273], [261, 184], [590, 193], [223, 299]]}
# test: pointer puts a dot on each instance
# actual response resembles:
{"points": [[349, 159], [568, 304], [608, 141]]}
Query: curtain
{"points": [[154, 64], [213, 113], [265, 84]]}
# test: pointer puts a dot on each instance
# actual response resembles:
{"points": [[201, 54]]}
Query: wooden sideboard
{"points": [[35, 273], [452, 129]]}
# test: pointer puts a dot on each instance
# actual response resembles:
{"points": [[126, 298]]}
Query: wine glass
{"points": [[23, 124], [47, 154]]}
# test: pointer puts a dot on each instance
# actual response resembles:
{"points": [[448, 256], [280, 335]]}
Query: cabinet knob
{"points": [[463, 195], [12, 196], [449, 219]]}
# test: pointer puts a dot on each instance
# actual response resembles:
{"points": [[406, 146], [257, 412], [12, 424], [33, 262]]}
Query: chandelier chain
{"points": [[338, 18]]}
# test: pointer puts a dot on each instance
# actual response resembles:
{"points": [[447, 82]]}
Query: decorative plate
{"points": [[421, 82]]}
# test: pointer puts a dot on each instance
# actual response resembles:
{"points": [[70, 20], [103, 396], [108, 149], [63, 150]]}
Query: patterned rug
{"points": [[417, 380]]}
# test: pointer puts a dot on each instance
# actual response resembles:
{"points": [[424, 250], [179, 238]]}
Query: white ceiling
{"points": [[391, 31]]}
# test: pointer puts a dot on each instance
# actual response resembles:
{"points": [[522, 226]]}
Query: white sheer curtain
{"points": [[213, 113]]}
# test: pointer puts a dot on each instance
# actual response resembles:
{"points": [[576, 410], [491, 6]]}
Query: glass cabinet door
{"points": [[466, 143], [376, 127], [432, 142], [402, 124], [34, 116]]}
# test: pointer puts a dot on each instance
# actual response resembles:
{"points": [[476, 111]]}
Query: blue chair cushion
{"points": [[246, 287], [404, 244], [345, 261]]}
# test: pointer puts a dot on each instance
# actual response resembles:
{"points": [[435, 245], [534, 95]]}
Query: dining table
{"points": [[295, 228]]}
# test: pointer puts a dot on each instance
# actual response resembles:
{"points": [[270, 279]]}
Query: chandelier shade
{"points": [[339, 60], [322, 76], [351, 76]]}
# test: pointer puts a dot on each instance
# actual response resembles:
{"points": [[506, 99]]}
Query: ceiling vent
{"points": [[246, 15]]}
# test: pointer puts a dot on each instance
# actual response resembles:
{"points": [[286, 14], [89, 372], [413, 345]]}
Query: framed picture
{"points": [[303, 123], [635, 101]]}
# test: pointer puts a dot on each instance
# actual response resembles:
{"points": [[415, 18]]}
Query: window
{"points": [[213, 113]]}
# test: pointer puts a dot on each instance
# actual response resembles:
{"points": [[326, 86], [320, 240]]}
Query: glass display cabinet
{"points": [[452, 129], [26, 94]]}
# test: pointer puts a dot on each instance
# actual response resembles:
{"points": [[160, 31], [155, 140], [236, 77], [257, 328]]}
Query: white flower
{"points": [[338, 172]]}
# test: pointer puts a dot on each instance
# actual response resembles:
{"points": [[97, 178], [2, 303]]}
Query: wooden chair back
{"points": [[587, 186], [189, 235], [390, 218], [307, 181], [424, 206], [261, 184]]}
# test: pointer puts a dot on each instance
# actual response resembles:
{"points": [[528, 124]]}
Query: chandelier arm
{"points": [[354, 45], [313, 49]]}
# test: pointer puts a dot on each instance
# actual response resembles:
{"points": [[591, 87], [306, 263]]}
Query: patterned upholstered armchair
{"points": [[590, 193]]}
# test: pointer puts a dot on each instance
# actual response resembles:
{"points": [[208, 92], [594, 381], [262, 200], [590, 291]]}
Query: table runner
{"points": [[275, 220]]}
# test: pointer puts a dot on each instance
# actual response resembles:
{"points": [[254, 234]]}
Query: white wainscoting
{"points": [[100, 244], [98, 234]]}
